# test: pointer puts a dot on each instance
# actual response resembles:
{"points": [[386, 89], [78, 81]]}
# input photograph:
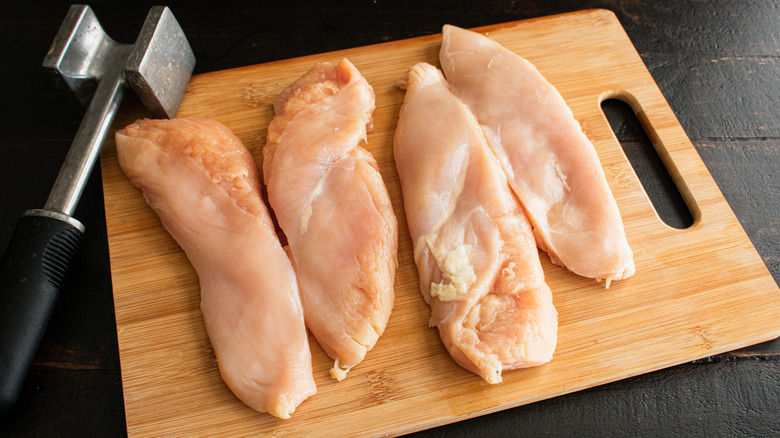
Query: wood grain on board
{"points": [[692, 294]]}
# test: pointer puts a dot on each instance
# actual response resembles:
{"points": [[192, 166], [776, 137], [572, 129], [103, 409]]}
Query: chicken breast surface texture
{"points": [[334, 208], [478, 264], [205, 187], [551, 165]]}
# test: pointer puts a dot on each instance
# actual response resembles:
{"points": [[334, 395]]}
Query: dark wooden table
{"points": [[717, 63]]}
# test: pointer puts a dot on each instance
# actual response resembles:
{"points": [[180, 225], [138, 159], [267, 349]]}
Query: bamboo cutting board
{"points": [[693, 292]]}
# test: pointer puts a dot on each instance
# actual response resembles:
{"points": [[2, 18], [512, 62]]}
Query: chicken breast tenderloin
{"points": [[478, 264], [551, 165], [334, 208], [205, 187]]}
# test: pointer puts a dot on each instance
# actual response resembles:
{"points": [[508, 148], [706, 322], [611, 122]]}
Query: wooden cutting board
{"points": [[697, 292]]}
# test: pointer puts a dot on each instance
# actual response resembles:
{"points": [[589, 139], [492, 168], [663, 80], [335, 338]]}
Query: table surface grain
{"points": [[716, 62]]}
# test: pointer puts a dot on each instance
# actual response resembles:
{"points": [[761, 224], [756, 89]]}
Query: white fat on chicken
{"points": [[457, 273]]}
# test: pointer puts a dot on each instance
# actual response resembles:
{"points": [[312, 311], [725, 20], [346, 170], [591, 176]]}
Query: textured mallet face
{"points": [[161, 63], [80, 55]]}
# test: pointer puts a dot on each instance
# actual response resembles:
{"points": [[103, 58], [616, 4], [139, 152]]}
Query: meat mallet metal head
{"points": [[94, 70]]}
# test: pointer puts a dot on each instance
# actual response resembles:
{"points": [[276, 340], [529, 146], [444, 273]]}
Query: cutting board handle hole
{"points": [[659, 185]]}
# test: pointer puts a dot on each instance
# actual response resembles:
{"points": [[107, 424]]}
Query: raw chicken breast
{"points": [[475, 253], [332, 205], [205, 187], [551, 165]]}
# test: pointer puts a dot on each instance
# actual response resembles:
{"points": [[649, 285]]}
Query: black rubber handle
{"points": [[31, 274]]}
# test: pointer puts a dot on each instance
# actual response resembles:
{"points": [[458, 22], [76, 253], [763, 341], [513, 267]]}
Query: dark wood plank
{"points": [[68, 403]]}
